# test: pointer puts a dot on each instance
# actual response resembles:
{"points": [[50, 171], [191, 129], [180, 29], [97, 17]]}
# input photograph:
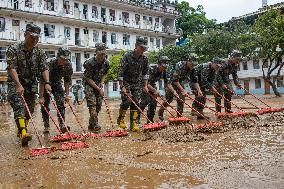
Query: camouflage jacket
{"points": [[179, 73], [29, 65], [155, 76], [132, 70], [225, 71], [76, 88], [57, 72], [95, 70], [206, 75]]}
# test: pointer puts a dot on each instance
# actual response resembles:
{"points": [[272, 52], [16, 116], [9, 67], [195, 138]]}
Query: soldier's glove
{"points": [[145, 89]]}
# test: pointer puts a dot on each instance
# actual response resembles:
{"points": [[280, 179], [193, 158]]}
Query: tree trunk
{"points": [[274, 88]]}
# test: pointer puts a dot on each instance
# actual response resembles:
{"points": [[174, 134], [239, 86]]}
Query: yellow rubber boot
{"points": [[25, 137], [121, 119], [133, 117]]}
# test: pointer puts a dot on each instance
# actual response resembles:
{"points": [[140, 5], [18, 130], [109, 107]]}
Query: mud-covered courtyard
{"points": [[243, 153]]}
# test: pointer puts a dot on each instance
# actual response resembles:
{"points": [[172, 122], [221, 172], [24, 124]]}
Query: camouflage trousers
{"points": [[201, 99], [58, 94], [135, 93], [94, 103], [17, 103], [227, 94], [146, 100], [76, 100], [170, 97]]}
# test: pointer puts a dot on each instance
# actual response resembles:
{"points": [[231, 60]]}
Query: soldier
{"points": [[133, 77], [156, 72], [206, 74], [26, 65], [95, 72], [76, 87], [223, 81], [59, 67], [181, 72]]}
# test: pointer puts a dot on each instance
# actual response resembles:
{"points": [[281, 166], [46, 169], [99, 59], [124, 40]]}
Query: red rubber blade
{"points": [[63, 137], [73, 145], [176, 120], [234, 114], [269, 110], [154, 126], [41, 151]]}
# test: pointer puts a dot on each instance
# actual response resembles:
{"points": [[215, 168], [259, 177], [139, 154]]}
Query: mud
{"points": [[243, 153]]}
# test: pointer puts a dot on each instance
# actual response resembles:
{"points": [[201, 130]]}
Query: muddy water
{"points": [[245, 153]]}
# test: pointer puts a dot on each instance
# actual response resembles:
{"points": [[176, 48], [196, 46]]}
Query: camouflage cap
{"points": [[217, 60], [100, 48], [141, 42], [192, 57], [164, 59], [64, 53], [236, 53], [33, 30]]}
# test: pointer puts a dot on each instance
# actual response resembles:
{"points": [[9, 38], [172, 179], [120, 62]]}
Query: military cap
{"points": [[100, 48], [141, 42], [217, 60], [33, 30], [164, 59], [63, 52], [192, 57], [236, 53]]}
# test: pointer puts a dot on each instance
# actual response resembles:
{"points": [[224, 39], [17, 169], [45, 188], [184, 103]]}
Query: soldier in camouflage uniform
{"points": [[156, 72], [59, 67], [206, 75], [76, 87], [223, 80], [133, 77], [26, 66], [95, 72], [182, 72]]}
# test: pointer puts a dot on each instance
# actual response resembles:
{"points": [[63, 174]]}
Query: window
{"points": [[160, 85], [86, 56], [15, 22], [66, 6], [150, 21], [104, 37], [95, 13], [126, 39], [256, 64], [49, 5], [49, 30], [257, 83], [279, 81], [125, 17], [157, 22], [158, 43], [151, 41], [28, 3], [146, 39], [265, 64], [95, 36], [112, 15], [50, 54], [2, 24], [114, 86], [3, 64], [137, 19], [78, 62], [113, 38], [245, 65], [67, 31], [103, 14], [85, 11]]}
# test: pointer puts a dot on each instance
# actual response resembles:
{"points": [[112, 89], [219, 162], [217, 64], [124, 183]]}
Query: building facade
{"points": [[81, 24]]}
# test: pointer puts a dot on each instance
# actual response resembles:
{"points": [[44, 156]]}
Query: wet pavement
{"points": [[243, 153]]}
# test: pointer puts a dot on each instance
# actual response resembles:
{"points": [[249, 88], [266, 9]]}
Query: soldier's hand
{"points": [[199, 93], [123, 90], [156, 93], [102, 93], [41, 100], [66, 99], [48, 88], [145, 89], [183, 92], [20, 89], [225, 86]]}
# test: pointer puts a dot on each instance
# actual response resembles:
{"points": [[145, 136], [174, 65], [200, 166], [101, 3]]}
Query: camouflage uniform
{"points": [[29, 67], [223, 77], [206, 76], [76, 88], [95, 71], [56, 73], [154, 76], [133, 72], [178, 73]]}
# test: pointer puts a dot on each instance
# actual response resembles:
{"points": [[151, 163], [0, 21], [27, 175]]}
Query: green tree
{"points": [[268, 32], [192, 20], [114, 64]]}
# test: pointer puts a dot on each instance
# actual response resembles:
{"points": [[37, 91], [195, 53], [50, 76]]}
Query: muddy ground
{"points": [[246, 153]]}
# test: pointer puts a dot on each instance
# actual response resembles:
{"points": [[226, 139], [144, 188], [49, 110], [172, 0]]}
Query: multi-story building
{"points": [[250, 72], [81, 24]]}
